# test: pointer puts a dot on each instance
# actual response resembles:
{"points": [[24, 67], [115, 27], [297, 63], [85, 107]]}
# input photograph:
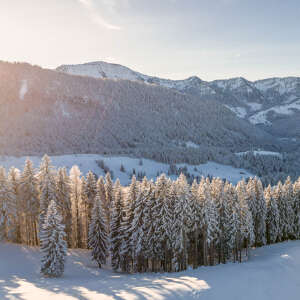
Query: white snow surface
{"points": [[254, 106], [261, 152], [271, 273], [101, 69], [23, 89], [286, 109], [281, 85], [87, 162], [239, 111], [190, 144]]}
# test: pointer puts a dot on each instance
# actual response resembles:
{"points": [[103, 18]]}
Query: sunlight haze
{"points": [[170, 38]]}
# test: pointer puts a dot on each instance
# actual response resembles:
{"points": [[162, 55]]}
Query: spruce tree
{"points": [[281, 203], [257, 206], [246, 221], [7, 208], [129, 208], [47, 186], [63, 191], [138, 229], [195, 222], [75, 194], [115, 226], [97, 241], [272, 216], [108, 197], [14, 183], [29, 201], [53, 245], [287, 190], [177, 235], [161, 215], [296, 193]]}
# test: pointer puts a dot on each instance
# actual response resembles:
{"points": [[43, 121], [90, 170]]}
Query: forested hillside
{"points": [[149, 226], [45, 111]]}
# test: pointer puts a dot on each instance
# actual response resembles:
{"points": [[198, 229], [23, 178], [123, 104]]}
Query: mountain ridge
{"points": [[263, 102]]}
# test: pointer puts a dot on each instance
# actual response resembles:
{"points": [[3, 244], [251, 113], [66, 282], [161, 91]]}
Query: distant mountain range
{"points": [[273, 104], [110, 109]]}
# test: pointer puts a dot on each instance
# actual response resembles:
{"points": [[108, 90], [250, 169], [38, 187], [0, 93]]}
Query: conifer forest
{"points": [[162, 226]]}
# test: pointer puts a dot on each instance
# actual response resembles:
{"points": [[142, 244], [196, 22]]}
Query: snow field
{"points": [[272, 273], [88, 162]]}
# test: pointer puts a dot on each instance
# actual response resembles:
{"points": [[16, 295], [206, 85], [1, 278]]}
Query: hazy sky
{"points": [[170, 38]]}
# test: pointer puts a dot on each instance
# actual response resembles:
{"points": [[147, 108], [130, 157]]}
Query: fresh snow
{"points": [[254, 106], [190, 144], [23, 89], [239, 111], [261, 152], [271, 273], [100, 69], [287, 109], [88, 162], [281, 85]]}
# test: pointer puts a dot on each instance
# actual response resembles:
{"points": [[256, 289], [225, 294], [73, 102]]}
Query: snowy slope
{"points": [[101, 69], [23, 89], [286, 109], [88, 162], [272, 273], [261, 152]]}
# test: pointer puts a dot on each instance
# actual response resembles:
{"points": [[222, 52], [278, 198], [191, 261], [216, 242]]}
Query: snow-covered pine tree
{"points": [[75, 196], [281, 203], [29, 202], [139, 229], [233, 233], [14, 230], [296, 193], [47, 186], [97, 231], [223, 206], [183, 193], [209, 217], [176, 232], [195, 223], [63, 190], [10, 200], [83, 214], [115, 226], [90, 193], [246, 221], [7, 208], [53, 244], [287, 190], [272, 224], [162, 239], [212, 229], [3, 203], [150, 253], [257, 206], [129, 207], [217, 195], [125, 247], [109, 197]]}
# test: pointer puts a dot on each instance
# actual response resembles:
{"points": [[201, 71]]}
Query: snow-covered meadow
{"points": [[272, 272], [88, 162]]}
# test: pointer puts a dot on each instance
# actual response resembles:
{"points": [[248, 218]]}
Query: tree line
{"points": [[147, 226]]}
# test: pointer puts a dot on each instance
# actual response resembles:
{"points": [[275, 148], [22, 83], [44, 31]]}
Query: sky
{"points": [[174, 39]]}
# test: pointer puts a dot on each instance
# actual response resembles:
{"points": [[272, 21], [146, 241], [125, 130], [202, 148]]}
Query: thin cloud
{"points": [[95, 17]]}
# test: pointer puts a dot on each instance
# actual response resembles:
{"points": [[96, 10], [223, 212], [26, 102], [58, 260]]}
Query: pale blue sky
{"points": [[168, 38]]}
